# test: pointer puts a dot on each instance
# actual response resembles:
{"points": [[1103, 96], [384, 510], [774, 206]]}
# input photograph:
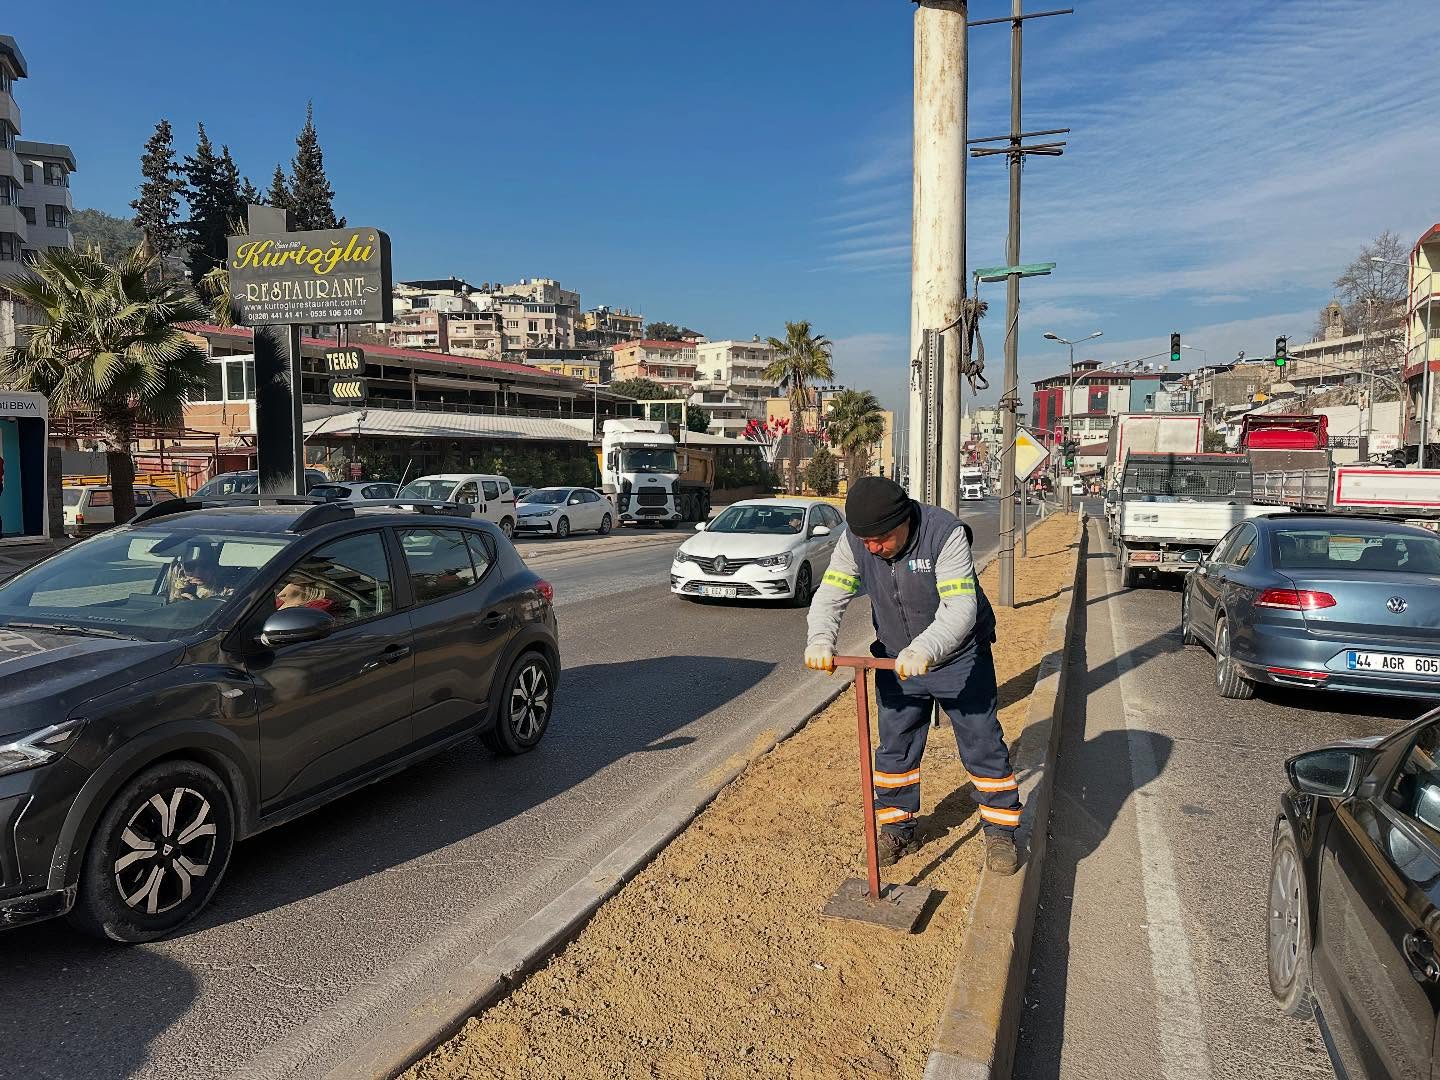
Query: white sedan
{"points": [[559, 511], [759, 549]]}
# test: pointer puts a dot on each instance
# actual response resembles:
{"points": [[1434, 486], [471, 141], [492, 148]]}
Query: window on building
{"points": [[9, 247], [28, 213], [56, 217], [7, 134], [9, 191], [29, 173], [534, 326], [55, 175], [4, 80]]}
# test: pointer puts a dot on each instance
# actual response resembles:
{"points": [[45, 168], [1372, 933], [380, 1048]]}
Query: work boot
{"points": [[1001, 855], [893, 847]]}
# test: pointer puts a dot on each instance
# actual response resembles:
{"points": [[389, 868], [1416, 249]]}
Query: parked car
{"points": [[89, 507], [354, 489], [759, 549], [558, 511], [247, 482], [183, 682], [1327, 602], [1354, 900], [521, 491], [492, 496]]}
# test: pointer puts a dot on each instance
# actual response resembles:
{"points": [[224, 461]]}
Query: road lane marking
{"points": [[1179, 1018]]}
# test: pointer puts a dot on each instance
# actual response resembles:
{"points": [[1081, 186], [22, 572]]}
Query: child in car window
{"points": [[303, 592]]}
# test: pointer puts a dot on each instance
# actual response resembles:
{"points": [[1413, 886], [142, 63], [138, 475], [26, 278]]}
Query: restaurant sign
{"points": [[324, 276]]}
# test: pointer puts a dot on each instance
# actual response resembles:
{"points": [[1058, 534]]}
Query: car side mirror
{"points": [[295, 626], [1333, 771], [1192, 557], [699, 526], [820, 530]]}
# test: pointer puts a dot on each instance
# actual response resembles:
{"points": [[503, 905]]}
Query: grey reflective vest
{"points": [[904, 595]]}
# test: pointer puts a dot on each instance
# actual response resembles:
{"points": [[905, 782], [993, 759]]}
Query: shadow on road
{"points": [[607, 712]]}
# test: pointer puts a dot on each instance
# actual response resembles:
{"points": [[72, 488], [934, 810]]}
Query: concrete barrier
{"points": [[975, 1039]]}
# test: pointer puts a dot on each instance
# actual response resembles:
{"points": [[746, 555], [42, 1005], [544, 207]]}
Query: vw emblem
{"points": [[719, 564], [1396, 604]]}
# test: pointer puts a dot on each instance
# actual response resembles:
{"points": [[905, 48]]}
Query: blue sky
{"points": [[730, 166]]}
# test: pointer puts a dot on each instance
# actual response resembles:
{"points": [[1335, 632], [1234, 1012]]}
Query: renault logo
{"points": [[720, 564], [1396, 604]]}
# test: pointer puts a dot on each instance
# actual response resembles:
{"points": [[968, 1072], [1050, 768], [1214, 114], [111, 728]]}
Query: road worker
{"points": [[933, 619]]}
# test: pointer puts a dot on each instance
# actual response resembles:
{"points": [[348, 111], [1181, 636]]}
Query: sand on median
{"points": [[715, 962]]}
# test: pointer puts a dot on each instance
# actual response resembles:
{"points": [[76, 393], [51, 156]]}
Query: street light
{"points": [[1050, 335]]}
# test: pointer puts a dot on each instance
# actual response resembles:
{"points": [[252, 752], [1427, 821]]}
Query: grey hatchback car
{"points": [[209, 671], [1325, 602]]}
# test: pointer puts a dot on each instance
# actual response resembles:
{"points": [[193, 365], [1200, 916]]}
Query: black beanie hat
{"points": [[876, 505]]}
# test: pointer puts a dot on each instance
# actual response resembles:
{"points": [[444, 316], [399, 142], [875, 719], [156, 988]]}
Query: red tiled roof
{"points": [[391, 351]]}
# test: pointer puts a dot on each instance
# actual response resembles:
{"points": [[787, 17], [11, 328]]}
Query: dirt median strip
{"points": [[714, 960]]}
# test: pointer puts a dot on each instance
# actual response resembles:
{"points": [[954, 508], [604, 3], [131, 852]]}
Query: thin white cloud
{"points": [[874, 361]]}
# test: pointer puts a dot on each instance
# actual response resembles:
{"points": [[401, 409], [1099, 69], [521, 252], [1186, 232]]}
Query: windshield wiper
{"points": [[61, 628]]}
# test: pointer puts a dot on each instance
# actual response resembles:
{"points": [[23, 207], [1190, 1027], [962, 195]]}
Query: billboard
{"points": [[321, 276]]}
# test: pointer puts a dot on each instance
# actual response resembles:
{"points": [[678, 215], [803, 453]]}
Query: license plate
{"points": [[720, 592], [1392, 663]]}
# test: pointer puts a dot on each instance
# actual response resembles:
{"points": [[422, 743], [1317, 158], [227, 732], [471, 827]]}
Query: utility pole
{"points": [[1015, 151], [937, 231]]}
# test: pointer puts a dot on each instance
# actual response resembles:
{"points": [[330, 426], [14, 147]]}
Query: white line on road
{"points": [[1179, 1020]]}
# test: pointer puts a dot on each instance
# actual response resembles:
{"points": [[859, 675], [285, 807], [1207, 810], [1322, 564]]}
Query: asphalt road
{"points": [[1149, 952], [330, 922]]}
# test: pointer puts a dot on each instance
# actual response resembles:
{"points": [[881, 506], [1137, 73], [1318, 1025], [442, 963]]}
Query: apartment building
{"points": [[730, 382], [537, 314], [1098, 397], [603, 327], [1422, 355], [35, 202], [669, 363]]}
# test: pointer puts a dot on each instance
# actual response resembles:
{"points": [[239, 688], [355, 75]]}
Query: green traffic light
{"points": [[1280, 361], [1174, 357]]}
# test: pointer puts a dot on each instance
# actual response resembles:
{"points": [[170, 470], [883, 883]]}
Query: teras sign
{"points": [[322, 276]]}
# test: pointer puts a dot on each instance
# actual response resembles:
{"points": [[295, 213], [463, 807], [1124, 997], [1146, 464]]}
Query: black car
{"points": [[206, 672], [1354, 903]]}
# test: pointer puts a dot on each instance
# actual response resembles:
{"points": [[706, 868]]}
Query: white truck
{"points": [[1408, 494], [1168, 504], [650, 478], [973, 483], [1145, 433]]}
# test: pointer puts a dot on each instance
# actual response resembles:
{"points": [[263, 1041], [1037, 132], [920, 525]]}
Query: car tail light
{"points": [[1295, 599], [546, 590], [1144, 556], [79, 519]]}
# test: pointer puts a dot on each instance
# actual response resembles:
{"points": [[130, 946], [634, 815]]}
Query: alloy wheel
{"points": [[1284, 916], [166, 847], [530, 702], [562, 529], [1222, 654]]}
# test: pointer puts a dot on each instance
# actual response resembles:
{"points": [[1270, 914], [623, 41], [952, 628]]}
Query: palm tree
{"points": [[108, 346], [857, 423], [800, 359]]}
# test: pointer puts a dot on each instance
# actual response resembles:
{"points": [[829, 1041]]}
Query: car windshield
{"points": [[72, 496], [155, 585], [759, 519], [428, 490], [330, 491], [552, 496], [242, 483], [649, 459], [1381, 551]]}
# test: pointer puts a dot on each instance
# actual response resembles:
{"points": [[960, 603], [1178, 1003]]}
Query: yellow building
{"points": [[1422, 351], [589, 371]]}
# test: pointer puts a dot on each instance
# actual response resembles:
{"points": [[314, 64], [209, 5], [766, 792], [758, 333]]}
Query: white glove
{"points": [[911, 662], [820, 657]]}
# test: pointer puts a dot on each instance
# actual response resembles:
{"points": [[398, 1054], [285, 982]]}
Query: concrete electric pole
{"points": [[937, 274]]}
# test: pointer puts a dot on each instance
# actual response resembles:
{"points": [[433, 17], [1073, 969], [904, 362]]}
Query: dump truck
{"points": [[1285, 442], [652, 476]]}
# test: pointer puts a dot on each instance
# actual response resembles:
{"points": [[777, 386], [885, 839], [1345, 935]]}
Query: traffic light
{"points": [[1281, 345], [1175, 348], [1068, 448]]}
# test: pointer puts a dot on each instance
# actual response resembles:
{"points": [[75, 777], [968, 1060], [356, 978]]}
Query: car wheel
{"points": [[157, 854], [1288, 930], [605, 525], [1187, 637], [1228, 680], [526, 701], [804, 587], [562, 528], [669, 524], [507, 526]]}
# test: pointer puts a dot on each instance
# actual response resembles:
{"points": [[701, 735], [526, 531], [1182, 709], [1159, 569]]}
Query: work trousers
{"points": [[965, 690]]}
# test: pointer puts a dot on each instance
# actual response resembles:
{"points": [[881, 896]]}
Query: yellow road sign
{"points": [[1029, 454]]}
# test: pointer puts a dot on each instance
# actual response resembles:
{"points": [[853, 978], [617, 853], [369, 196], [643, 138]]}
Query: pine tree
{"points": [[279, 194], [157, 209], [311, 197], [213, 191], [249, 193]]}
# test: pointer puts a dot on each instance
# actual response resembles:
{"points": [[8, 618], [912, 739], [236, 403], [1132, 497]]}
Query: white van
{"points": [[92, 506], [1077, 488], [492, 496]]}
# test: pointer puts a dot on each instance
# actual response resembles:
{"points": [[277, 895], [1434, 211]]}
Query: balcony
{"points": [[12, 221], [10, 110]]}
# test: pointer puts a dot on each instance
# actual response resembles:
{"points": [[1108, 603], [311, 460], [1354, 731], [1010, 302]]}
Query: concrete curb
{"points": [[976, 1036], [546, 554], [409, 1035]]}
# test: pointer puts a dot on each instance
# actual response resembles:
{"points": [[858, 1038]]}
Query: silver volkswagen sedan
{"points": [[1319, 601]]}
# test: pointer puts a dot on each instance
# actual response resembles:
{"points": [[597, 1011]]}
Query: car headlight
{"points": [[783, 559], [680, 556], [39, 747]]}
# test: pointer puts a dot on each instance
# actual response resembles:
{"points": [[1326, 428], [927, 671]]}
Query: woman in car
{"points": [[197, 576], [303, 592]]}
